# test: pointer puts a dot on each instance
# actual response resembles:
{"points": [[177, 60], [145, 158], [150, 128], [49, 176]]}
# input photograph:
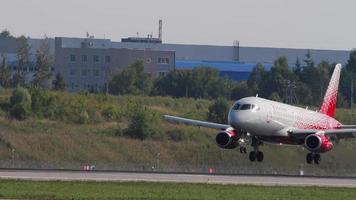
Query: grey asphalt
{"points": [[184, 178]]}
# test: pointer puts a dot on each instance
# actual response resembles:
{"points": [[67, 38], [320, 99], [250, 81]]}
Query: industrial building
{"points": [[88, 64]]}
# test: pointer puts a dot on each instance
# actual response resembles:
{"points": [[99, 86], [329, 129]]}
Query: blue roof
{"points": [[230, 66]]}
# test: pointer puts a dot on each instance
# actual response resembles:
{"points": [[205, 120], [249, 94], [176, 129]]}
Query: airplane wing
{"points": [[347, 126], [196, 122], [341, 133]]}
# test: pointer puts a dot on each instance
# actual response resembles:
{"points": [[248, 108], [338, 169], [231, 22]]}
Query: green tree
{"points": [[17, 79], [349, 77], [254, 80], [201, 82], [176, 83], [218, 111], [240, 91], [298, 67], [277, 78], [58, 83], [44, 61], [20, 104], [23, 54], [351, 62], [275, 97], [5, 34], [42, 102], [308, 59], [324, 71], [142, 123], [132, 80], [5, 73]]}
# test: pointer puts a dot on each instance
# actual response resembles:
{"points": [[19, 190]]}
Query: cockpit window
{"points": [[252, 107], [236, 106], [255, 108], [245, 107]]}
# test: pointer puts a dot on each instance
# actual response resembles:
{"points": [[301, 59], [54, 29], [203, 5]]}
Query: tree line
{"points": [[15, 74], [303, 83]]}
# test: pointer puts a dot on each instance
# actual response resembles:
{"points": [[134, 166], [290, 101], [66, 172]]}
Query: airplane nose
{"points": [[234, 118]]}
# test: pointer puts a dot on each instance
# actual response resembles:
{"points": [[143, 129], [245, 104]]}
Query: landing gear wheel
{"points": [[259, 156], [317, 158], [252, 156], [309, 158]]}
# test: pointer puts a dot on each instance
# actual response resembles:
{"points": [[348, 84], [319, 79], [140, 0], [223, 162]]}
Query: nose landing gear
{"points": [[313, 157], [243, 150]]}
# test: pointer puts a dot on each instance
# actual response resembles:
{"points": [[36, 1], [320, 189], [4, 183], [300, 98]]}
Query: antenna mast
{"points": [[160, 30]]}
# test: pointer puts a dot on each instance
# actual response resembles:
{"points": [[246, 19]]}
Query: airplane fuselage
{"points": [[272, 120]]}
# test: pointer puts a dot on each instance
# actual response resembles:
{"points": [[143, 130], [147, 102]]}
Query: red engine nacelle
{"points": [[318, 143], [227, 139]]}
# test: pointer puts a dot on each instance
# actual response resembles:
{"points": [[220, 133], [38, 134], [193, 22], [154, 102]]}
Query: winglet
{"points": [[329, 102]]}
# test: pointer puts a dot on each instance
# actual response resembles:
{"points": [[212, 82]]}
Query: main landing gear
{"points": [[313, 157], [256, 154]]}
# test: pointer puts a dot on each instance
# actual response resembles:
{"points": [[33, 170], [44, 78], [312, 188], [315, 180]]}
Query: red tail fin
{"points": [[329, 102]]}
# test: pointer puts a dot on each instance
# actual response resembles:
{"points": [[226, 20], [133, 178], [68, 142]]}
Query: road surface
{"points": [[183, 178]]}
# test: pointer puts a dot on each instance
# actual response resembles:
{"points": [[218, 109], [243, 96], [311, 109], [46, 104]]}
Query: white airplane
{"points": [[254, 120]]}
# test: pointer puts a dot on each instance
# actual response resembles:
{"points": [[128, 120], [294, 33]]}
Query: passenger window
{"points": [[245, 107], [236, 106]]}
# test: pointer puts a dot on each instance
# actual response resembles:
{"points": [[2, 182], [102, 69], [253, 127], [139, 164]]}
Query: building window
{"points": [[96, 72], [96, 59], [163, 60], [107, 59], [72, 58], [72, 72], [84, 58], [84, 72], [148, 60], [161, 74]]}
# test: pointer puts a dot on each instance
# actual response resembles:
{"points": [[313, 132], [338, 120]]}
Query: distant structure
{"points": [[160, 26], [236, 45], [88, 64], [148, 39], [233, 61]]}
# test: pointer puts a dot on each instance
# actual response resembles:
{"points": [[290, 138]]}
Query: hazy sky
{"points": [[325, 24]]}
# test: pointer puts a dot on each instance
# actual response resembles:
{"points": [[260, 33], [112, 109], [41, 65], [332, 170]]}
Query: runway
{"points": [[51, 175]]}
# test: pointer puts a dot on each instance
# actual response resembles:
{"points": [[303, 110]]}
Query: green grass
{"points": [[162, 191], [62, 143]]}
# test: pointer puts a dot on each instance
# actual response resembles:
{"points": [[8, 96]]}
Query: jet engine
{"points": [[227, 139], [318, 143]]}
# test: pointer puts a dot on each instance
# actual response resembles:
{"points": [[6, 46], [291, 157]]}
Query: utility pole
{"points": [[13, 157], [352, 93]]}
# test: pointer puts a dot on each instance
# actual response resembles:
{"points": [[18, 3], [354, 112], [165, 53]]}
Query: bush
{"points": [[111, 112], [83, 117], [20, 112], [142, 123], [20, 104], [43, 103], [218, 111]]}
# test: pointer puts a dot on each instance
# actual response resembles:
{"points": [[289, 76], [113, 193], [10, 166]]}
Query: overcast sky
{"points": [[324, 24]]}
